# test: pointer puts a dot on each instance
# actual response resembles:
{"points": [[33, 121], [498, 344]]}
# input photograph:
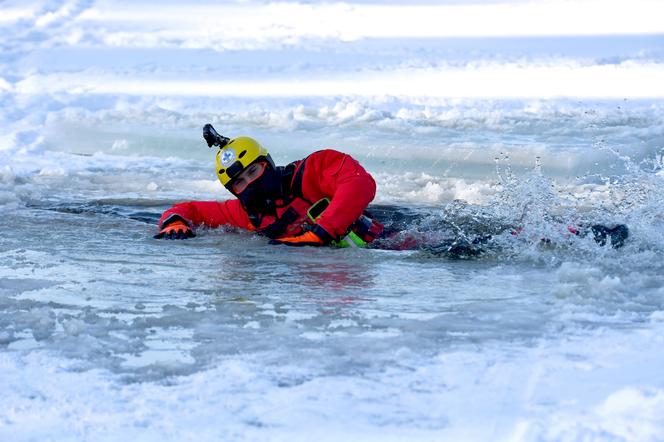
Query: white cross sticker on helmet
{"points": [[227, 157]]}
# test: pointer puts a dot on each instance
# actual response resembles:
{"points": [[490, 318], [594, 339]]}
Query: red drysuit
{"points": [[326, 174]]}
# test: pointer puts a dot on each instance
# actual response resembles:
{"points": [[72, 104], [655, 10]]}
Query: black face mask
{"points": [[260, 197]]}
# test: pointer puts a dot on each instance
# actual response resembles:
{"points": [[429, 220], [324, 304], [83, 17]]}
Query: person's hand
{"points": [[305, 239], [315, 237], [175, 230]]}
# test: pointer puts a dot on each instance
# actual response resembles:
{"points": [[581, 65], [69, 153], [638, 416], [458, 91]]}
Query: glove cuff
{"points": [[173, 217], [322, 234]]}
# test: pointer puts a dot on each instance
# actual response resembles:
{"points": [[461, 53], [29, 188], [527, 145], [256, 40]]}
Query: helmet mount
{"points": [[213, 138]]}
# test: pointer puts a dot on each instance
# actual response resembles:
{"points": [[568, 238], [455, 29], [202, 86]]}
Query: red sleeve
{"points": [[339, 177], [210, 213]]}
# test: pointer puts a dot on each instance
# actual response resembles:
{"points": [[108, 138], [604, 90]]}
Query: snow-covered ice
{"points": [[475, 116]]}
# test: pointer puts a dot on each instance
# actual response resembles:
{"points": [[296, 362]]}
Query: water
{"points": [[107, 333]]}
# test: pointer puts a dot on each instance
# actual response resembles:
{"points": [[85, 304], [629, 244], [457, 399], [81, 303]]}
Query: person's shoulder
{"points": [[326, 154], [328, 162], [328, 151]]}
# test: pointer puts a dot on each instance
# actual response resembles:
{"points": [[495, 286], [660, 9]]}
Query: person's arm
{"points": [[207, 213], [350, 189], [339, 177]]}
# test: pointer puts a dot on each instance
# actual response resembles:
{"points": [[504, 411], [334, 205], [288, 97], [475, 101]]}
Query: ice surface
{"points": [[482, 118]]}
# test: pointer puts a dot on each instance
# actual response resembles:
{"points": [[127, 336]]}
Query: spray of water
{"points": [[534, 218]]}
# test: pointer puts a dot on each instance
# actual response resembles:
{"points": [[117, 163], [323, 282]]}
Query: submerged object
{"points": [[616, 235]]}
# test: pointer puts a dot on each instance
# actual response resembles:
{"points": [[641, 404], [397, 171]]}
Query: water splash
{"points": [[534, 218]]}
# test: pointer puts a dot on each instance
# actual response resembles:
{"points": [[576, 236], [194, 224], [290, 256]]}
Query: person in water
{"points": [[316, 201]]}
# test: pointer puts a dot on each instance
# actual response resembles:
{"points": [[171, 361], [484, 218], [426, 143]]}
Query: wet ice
{"points": [[106, 333]]}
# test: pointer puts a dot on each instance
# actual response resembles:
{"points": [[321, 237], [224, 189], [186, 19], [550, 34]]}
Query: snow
{"points": [[596, 387]]}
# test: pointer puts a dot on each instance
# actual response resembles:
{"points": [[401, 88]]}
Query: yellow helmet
{"points": [[237, 155]]}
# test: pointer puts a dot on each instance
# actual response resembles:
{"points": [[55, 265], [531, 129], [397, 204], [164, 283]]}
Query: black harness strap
{"points": [[277, 228], [296, 186]]}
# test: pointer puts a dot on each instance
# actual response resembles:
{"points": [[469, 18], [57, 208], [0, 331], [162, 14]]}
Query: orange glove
{"points": [[315, 237], [175, 230]]}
